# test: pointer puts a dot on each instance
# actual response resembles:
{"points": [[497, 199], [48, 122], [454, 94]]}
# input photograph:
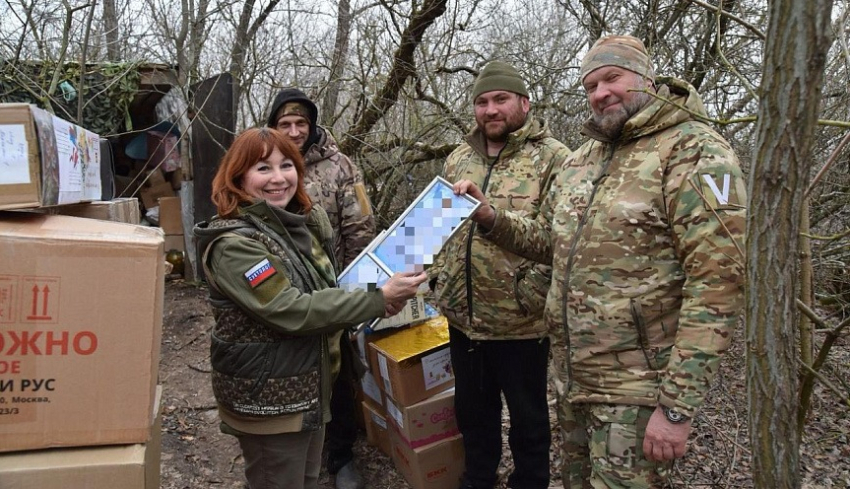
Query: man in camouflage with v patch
{"points": [[644, 229]]}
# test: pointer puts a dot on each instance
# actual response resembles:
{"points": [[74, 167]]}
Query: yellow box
{"points": [[414, 363]]}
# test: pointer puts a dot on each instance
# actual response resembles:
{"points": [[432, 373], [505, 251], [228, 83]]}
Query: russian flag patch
{"points": [[260, 272]]}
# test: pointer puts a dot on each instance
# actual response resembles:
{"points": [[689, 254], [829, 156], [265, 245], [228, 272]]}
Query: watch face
{"points": [[674, 416]]}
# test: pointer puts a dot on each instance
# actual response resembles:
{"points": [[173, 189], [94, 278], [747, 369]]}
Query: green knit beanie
{"points": [[498, 75]]}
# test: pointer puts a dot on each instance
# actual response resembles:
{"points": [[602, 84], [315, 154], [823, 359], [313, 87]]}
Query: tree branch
{"points": [[737, 19], [403, 67]]}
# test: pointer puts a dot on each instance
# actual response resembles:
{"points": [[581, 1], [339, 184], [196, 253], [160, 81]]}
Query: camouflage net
{"points": [[108, 90]]}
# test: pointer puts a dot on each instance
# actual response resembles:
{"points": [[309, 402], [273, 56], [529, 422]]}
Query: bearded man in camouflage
{"points": [[492, 298], [333, 182], [644, 229]]}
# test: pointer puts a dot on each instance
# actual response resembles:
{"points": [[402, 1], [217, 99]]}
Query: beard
{"points": [[611, 124], [498, 132]]}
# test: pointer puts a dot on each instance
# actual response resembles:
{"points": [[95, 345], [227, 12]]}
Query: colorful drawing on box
{"points": [[74, 157]]}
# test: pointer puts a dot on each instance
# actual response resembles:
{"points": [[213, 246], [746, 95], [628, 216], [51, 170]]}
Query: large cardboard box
{"points": [[80, 330], [123, 209], [414, 363], [426, 421], [436, 466], [377, 431], [117, 466], [46, 160]]}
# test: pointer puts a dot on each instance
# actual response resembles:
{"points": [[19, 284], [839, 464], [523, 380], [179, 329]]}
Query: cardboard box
{"points": [[123, 209], [369, 383], [439, 465], [426, 421], [372, 392], [150, 195], [80, 330], [170, 215], [363, 339], [46, 160], [117, 466], [414, 363], [377, 431], [175, 242]]}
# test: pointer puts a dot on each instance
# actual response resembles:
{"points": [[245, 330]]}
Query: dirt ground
{"points": [[195, 454]]}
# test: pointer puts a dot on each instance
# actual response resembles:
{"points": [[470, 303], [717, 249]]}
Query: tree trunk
{"points": [[797, 43], [237, 54], [110, 27], [245, 32], [340, 57], [197, 36]]}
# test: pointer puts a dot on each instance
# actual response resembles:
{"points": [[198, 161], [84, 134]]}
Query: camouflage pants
{"points": [[603, 447]]}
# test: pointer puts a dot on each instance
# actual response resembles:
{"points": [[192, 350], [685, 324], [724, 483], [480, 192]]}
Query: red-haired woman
{"points": [[268, 258]]}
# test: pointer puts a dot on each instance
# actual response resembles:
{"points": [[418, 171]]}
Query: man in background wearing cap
{"points": [[494, 299], [336, 184], [644, 230]]}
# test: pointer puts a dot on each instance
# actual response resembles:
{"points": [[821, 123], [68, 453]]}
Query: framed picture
{"points": [[365, 272], [409, 245], [415, 238]]}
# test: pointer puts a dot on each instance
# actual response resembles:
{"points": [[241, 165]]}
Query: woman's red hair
{"points": [[249, 147]]}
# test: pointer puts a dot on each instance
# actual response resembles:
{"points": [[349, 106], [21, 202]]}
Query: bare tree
{"points": [[110, 30], [189, 40], [338, 61], [403, 67], [798, 38], [246, 29]]}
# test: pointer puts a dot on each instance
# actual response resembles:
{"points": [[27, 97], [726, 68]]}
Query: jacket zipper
{"points": [[568, 270], [468, 264]]}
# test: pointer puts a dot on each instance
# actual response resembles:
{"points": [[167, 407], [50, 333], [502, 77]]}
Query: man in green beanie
{"points": [[644, 229], [492, 298]]}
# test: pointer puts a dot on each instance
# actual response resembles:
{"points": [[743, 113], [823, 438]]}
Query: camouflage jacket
{"points": [[336, 184], [646, 244], [485, 291], [275, 347]]}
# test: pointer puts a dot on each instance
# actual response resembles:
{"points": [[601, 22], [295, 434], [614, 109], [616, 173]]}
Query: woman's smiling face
{"points": [[273, 179]]}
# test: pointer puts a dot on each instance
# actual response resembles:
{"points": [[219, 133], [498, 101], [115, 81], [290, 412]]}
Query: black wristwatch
{"points": [[674, 416]]}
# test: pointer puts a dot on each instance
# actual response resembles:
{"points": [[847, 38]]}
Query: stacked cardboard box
{"points": [[80, 330], [122, 209], [374, 411], [435, 466], [101, 467], [412, 415], [413, 363], [377, 430], [46, 160], [171, 222], [53, 166]]}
